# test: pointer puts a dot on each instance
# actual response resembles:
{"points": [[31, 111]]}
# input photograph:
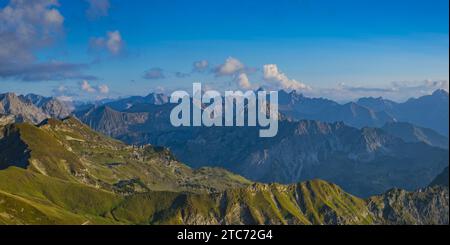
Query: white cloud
{"points": [[424, 86], [26, 27], [103, 89], [243, 81], [113, 43], [61, 89], [200, 65], [53, 17], [85, 86], [230, 67], [64, 98], [273, 75], [397, 91], [98, 8]]}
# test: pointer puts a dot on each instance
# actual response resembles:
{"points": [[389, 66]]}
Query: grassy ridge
{"points": [[313, 202], [32, 198]]}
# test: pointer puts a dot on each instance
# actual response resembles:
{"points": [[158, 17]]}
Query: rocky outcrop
{"points": [[53, 107], [6, 119], [24, 111], [32, 108], [424, 206]]}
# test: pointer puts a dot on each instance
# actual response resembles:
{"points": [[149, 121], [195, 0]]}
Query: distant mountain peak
{"points": [[440, 92]]}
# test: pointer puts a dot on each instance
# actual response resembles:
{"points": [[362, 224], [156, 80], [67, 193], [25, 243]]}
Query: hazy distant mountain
{"points": [[378, 104], [366, 112], [411, 133], [126, 103], [299, 107], [430, 111], [22, 110]]}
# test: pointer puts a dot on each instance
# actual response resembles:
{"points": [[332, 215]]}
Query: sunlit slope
{"points": [[71, 151], [312, 202], [32, 198]]}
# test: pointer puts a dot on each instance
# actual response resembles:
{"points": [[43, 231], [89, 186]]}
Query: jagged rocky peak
{"points": [[312, 127], [286, 97], [23, 110], [425, 206], [157, 98], [50, 105]]}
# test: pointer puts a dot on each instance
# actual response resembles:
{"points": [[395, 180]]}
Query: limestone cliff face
{"points": [[424, 206], [33, 108], [6, 119], [24, 111]]}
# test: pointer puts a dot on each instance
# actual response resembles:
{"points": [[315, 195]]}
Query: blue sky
{"points": [[91, 49]]}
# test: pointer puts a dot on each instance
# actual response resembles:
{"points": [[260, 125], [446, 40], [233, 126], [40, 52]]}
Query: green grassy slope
{"points": [[71, 151], [32, 198]]}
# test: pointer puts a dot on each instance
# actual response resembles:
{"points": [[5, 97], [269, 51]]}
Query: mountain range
{"points": [[298, 107], [62, 172], [392, 164], [364, 161], [429, 111]]}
